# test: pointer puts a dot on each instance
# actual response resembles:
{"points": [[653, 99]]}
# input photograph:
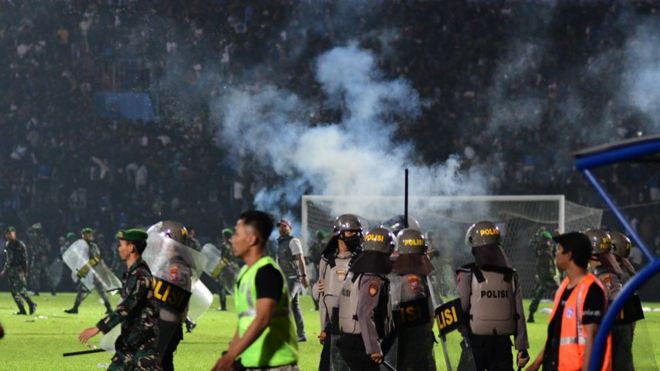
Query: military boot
{"points": [[31, 305], [21, 308]]}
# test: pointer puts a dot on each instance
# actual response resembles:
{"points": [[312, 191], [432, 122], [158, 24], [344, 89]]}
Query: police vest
{"points": [[285, 257], [492, 302], [415, 305], [276, 346], [349, 302], [572, 341], [333, 281]]}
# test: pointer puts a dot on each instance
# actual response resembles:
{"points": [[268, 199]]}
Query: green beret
{"points": [[70, 235], [86, 230], [37, 226], [227, 232], [10, 229], [320, 233], [134, 234], [546, 235]]}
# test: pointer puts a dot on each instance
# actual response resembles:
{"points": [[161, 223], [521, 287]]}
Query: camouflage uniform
{"points": [[16, 265], [225, 250], [545, 270], [83, 292], [40, 251], [135, 348]]}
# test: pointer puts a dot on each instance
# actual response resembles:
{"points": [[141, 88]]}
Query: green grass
{"points": [[37, 342]]}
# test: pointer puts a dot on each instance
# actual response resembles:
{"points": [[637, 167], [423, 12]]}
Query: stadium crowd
{"points": [[65, 164]]}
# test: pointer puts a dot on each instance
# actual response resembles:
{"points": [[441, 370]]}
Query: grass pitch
{"points": [[37, 342]]}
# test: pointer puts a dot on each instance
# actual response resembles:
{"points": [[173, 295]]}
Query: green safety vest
{"points": [[277, 345]]}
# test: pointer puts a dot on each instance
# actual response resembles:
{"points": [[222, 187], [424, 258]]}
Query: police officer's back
{"points": [[415, 324], [490, 294], [364, 305]]}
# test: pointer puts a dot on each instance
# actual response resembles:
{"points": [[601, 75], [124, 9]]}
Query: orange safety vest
{"points": [[572, 339]]}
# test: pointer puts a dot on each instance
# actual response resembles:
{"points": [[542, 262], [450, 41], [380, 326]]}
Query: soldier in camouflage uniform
{"points": [[225, 251], [40, 250], [83, 292], [16, 268], [545, 269], [314, 258], [135, 348]]}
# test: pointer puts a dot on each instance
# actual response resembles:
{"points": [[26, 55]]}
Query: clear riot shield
{"points": [[391, 344], [213, 263], [161, 250], [107, 278], [200, 301], [85, 270], [108, 340], [221, 268]]}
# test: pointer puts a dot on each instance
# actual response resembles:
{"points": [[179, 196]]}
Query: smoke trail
{"points": [[359, 155]]}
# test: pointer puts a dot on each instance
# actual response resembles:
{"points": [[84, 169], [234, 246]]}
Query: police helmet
{"points": [[176, 231], [601, 241], [347, 222], [379, 240], [482, 233], [411, 241], [398, 223], [621, 244]]}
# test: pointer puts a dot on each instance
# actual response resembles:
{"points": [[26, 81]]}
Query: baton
{"points": [[388, 366], [90, 351]]}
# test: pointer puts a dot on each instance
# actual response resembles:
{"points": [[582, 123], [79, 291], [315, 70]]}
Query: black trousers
{"points": [[490, 352], [353, 352], [170, 335]]}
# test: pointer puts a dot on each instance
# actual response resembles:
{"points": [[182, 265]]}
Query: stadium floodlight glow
{"points": [[643, 149]]}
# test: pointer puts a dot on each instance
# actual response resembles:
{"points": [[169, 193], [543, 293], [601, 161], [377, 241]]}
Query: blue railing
{"points": [[585, 162]]}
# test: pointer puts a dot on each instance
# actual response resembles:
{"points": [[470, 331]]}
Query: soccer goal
{"points": [[445, 220]]}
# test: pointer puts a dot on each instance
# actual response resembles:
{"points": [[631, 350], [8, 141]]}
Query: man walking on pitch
{"points": [[16, 266], [265, 338], [135, 349]]}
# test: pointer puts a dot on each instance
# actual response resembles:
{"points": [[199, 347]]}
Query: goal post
{"points": [[445, 220]]}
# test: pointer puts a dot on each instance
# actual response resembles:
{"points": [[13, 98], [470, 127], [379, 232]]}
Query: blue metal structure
{"points": [[642, 149]]}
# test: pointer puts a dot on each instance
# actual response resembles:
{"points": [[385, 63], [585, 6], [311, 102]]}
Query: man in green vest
{"points": [[265, 338]]}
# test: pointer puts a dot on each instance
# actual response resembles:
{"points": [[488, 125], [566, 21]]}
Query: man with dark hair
{"points": [[16, 268], [135, 348], [579, 307], [291, 261], [265, 338]]}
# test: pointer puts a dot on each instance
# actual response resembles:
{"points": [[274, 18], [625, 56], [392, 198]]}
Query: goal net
{"points": [[445, 219]]}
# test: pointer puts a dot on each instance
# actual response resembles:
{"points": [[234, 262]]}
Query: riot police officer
{"points": [[333, 269], [491, 295], [415, 324], [545, 269], [621, 247], [365, 311], [605, 267], [174, 274]]}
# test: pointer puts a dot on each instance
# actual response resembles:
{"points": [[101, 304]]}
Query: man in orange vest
{"points": [[579, 307]]}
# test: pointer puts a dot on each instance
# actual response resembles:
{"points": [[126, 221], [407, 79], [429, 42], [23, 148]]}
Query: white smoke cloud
{"points": [[356, 156]]}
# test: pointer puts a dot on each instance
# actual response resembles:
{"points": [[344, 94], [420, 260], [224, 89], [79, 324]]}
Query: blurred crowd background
{"points": [[93, 132]]}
